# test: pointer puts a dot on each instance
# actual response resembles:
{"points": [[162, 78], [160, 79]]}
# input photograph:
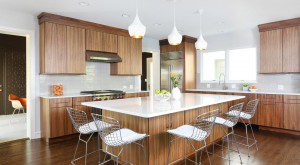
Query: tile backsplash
{"points": [[97, 77], [267, 82]]}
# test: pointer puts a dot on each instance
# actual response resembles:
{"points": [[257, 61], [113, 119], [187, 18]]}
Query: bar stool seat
{"points": [[242, 115], [222, 121], [122, 137], [91, 127], [188, 131]]}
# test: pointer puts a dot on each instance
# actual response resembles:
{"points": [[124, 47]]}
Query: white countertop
{"points": [[241, 91], [147, 107], [68, 95]]}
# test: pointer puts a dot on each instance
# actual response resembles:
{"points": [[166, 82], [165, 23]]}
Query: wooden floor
{"points": [[274, 149]]}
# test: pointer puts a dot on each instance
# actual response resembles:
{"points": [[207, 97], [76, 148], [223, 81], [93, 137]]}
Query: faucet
{"points": [[223, 86]]}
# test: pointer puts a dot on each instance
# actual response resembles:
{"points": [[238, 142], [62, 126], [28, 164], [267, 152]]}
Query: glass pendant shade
{"points": [[137, 29], [201, 44], [174, 37]]}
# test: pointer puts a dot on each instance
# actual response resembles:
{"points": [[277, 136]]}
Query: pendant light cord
{"points": [[136, 7], [200, 13], [174, 13]]}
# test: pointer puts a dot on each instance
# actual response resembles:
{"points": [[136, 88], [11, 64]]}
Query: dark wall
{"points": [[12, 69]]}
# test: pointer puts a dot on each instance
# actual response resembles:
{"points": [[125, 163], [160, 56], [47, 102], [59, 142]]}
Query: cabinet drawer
{"points": [[78, 100], [271, 98], [294, 99], [61, 102]]}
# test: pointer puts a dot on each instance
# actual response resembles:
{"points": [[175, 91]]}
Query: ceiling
{"points": [[220, 16]]}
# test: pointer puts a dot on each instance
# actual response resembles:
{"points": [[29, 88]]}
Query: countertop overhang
{"points": [[147, 107]]}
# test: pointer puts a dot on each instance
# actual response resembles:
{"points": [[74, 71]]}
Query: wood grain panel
{"points": [[75, 50], [291, 49], [279, 24], [124, 50], [271, 114], [110, 43], [55, 48], [271, 51], [291, 116], [136, 56], [99, 41], [189, 66]]}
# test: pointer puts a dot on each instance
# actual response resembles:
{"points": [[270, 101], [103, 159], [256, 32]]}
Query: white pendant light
{"points": [[174, 37], [137, 29], [201, 44]]}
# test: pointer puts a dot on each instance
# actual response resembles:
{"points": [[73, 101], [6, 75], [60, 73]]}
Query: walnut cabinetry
{"points": [[55, 121], [130, 50], [99, 41], [291, 112], [62, 49], [280, 47], [138, 94]]}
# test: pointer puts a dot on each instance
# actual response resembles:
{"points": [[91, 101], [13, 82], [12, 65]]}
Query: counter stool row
{"points": [[114, 136]]}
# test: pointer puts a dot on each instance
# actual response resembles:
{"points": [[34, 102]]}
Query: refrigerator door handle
{"points": [[169, 79]]}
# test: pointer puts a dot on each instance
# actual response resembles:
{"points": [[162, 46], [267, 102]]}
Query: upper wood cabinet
{"points": [[99, 41], [280, 47], [291, 49], [130, 50], [62, 49], [271, 51]]}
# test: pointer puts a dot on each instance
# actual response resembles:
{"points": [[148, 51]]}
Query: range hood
{"points": [[96, 56]]}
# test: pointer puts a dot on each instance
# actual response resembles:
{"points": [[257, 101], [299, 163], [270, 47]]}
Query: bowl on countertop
{"points": [[162, 97]]}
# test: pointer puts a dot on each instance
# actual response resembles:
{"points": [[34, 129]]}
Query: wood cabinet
{"points": [[280, 46], [55, 120], [291, 49], [291, 112], [62, 49], [271, 51], [130, 50], [138, 94], [271, 111], [100, 41]]}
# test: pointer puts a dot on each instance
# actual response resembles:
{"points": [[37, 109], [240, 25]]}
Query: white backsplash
{"points": [[266, 82], [97, 77]]}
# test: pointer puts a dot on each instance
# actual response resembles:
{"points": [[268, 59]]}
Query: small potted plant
{"points": [[176, 79], [245, 86]]}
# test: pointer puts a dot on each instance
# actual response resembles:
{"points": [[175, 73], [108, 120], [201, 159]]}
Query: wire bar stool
{"points": [[225, 121], [115, 137], [245, 117], [197, 130], [83, 126]]}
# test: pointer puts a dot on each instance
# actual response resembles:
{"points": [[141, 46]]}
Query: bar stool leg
{"points": [[185, 151], [207, 152], [236, 145], [253, 136], [76, 149]]}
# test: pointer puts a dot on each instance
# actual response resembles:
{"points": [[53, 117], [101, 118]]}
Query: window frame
{"points": [[227, 67]]}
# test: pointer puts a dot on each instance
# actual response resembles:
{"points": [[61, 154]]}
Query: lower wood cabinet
{"points": [[55, 120], [291, 112], [139, 94]]}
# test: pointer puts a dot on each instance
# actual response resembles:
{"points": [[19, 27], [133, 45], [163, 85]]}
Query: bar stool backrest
{"points": [[108, 126], [235, 114], [252, 107], [204, 124], [79, 120]]}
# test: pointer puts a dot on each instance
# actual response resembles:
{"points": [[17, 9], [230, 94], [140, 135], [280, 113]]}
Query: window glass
{"points": [[213, 65]]}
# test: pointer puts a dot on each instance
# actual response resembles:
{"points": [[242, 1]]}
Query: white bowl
{"points": [[162, 97]]}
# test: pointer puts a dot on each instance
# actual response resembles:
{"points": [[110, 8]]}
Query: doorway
{"points": [[146, 63], [12, 88]]}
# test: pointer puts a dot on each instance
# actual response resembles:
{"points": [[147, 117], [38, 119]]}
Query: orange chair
{"points": [[19, 104]]}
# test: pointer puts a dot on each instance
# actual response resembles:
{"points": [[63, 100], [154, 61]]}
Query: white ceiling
{"points": [[220, 16]]}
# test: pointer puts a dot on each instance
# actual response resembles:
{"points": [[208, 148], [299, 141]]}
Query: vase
{"points": [[176, 94], [245, 88]]}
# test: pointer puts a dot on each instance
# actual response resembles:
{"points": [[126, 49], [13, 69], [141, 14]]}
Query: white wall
{"points": [[152, 45], [245, 39]]}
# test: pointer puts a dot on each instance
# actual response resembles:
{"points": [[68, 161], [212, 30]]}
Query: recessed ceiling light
{"points": [[157, 24], [84, 4], [125, 15]]}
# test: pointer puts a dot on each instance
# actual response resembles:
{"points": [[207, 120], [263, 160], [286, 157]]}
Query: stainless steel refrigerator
{"points": [[170, 62]]}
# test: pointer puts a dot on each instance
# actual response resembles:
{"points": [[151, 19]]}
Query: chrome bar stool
{"points": [[84, 127], [115, 137], [229, 120], [198, 130], [246, 116]]}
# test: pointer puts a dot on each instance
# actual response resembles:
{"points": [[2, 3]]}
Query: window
{"points": [[238, 65], [213, 65], [242, 64]]}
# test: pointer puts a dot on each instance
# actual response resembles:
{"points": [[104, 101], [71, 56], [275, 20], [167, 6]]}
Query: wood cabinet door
{"points": [[124, 51], [55, 47], [58, 121], [99, 41], [77, 105], [291, 116], [136, 56], [291, 49], [270, 114], [271, 51], [75, 50]]}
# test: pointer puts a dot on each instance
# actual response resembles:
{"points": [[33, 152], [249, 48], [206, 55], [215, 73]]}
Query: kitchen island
{"points": [[147, 115]]}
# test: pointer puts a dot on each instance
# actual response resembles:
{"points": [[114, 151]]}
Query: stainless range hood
{"points": [[96, 56]]}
